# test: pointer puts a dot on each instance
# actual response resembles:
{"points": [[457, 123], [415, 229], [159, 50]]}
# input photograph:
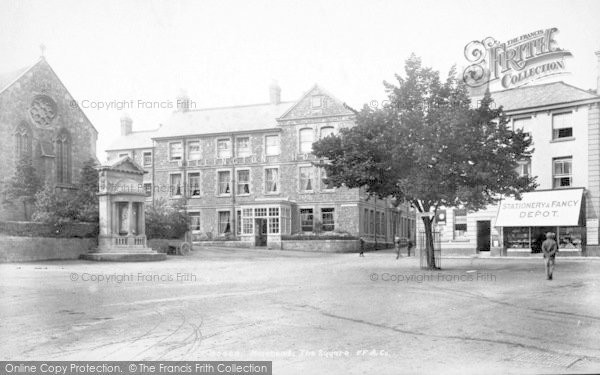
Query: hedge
{"points": [[35, 229], [314, 237]]}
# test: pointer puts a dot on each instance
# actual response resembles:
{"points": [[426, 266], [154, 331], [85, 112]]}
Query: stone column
{"points": [[130, 219], [116, 219], [142, 218]]}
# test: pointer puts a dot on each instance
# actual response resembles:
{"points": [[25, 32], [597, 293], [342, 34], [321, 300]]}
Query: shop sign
{"points": [[541, 208]]}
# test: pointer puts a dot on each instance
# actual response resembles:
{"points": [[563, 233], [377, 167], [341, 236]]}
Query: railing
{"points": [[121, 241], [127, 241]]}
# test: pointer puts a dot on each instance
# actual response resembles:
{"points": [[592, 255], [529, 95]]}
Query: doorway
{"points": [[483, 235], [538, 235], [261, 232]]}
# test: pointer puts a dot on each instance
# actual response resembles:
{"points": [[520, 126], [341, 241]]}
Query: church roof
{"points": [[549, 94], [223, 120], [7, 79]]}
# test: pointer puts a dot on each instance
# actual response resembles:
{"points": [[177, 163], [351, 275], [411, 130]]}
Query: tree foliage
{"points": [[86, 200], [165, 220], [427, 145], [57, 206], [24, 184]]}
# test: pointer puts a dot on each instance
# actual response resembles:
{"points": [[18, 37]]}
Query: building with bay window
{"points": [[564, 124], [249, 172]]}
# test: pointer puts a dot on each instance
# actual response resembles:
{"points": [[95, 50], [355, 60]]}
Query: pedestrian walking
{"points": [[410, 246], [397, 246], [362, 247], [549, 248]]}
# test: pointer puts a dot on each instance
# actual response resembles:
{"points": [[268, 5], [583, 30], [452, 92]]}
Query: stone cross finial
{"points": [[43, 50]]}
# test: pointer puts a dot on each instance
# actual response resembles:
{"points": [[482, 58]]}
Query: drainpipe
{"points": [[233, 186], [153, 172]]}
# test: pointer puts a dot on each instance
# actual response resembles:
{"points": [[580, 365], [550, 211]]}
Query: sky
{"points": [[225, 53]]}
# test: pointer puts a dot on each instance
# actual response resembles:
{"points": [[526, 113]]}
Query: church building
{"points": [[40, 120]]}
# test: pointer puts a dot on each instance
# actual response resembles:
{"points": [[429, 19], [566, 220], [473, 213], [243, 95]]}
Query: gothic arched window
{"points": [[63, 157], [23, 141]]}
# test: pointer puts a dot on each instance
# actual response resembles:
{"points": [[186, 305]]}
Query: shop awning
{"points": [[541, 208]]}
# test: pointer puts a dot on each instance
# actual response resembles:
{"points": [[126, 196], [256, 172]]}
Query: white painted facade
{"points": [[581, 147]]}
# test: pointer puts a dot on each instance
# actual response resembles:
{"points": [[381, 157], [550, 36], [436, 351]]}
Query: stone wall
{"points": [[233, 244], [325, 246], [26, 249]]}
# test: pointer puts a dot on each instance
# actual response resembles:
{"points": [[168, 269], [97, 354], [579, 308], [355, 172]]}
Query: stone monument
{"points": [[122, 225]]}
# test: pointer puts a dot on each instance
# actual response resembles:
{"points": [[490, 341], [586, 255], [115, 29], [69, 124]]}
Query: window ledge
{"points": [[565, 139], [243, 195], [273, 193], [195, 196], [460, 240], [223, 195]]}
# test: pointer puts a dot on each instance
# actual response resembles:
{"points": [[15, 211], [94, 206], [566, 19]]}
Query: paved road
{"points": [[309, 313]]}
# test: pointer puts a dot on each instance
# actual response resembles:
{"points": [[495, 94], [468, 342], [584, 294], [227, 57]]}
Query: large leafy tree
{"points": [[23, 185], [86, 201], [166, 220], [56, 206], [428, 146]]}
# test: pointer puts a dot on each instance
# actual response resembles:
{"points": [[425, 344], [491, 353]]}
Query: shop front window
{"points": [[517, 238], [570, 237]]}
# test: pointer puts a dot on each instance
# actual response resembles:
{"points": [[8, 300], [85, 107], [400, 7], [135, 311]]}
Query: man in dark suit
{"points": [[549, 248]]}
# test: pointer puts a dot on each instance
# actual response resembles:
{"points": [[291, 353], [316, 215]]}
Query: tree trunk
{"points": [[429, 249], [25, 216]]}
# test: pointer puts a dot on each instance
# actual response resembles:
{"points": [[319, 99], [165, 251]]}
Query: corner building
{"points": [[249, 172], [563, 122]]}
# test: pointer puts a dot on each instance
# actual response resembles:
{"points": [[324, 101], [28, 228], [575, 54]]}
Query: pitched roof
{"points": [[541, 95], [134, 140], [337, 105], [123, 164], [222, 120], [7, 79]]}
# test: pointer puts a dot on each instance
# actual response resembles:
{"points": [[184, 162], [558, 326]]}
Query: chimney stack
{"points": [[126, 123], [274, 93], [183, 101], [598, 73]]}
